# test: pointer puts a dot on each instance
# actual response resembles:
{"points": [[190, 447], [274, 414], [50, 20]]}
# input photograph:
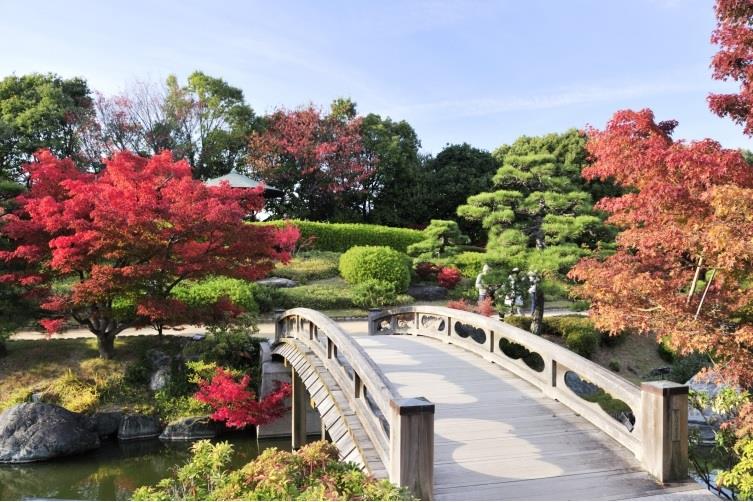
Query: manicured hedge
{"points": [[381, 263], [340, 237]]}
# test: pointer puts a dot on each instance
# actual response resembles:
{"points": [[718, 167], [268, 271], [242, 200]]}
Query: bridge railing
{"points": [[650, 421], [401, 430]]}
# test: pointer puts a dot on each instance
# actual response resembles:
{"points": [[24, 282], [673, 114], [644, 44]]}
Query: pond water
{"points": [[113, 471]]}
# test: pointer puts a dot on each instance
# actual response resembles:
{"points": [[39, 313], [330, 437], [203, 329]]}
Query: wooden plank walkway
{"points": [[498, 437]]}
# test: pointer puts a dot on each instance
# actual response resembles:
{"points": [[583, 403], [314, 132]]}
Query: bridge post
{"points": [[412, 445], [278, 324], [300, 403], [664, 425], [372, 321]]}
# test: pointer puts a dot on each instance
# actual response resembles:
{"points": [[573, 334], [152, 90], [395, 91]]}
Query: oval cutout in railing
{"points": [[432, 322], [404, 321], [516, 351], [466, 330], [615, 408], [383, 325]]}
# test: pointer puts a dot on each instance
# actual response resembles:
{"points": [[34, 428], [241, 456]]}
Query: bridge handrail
{"points": [[407, 456], [553, 373]]}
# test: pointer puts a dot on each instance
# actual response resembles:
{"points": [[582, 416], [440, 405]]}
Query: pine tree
{"points": [[539, 219]]}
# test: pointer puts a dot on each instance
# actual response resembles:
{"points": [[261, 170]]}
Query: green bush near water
{"points": [[340, 237]]}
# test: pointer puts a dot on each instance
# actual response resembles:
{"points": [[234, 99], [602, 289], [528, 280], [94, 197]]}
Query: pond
{"points": [[113, 471]]}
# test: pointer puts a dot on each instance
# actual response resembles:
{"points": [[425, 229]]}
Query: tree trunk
{"points": [[538, 314], [106, 345]]}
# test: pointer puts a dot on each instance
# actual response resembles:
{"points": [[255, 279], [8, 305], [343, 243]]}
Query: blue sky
{"points": [[482, 72]]}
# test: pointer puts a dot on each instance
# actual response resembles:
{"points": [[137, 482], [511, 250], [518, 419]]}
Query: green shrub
{"points": [[470, 263], [228, 345], [312, 473], [316, 296], [582, 341], [614, 365], [683, 368], [382, 263], [374, 293], [310, 266], [519, 321], [340, 237], [665, 352], [200, 294], [267, 298], [441, 238]]}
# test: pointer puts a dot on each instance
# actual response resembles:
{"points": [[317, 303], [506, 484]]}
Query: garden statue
{"points": [[483, 288]]}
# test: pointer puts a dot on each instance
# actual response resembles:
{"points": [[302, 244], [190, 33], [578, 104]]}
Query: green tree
{"points": [[204, 121], [393, 191], [442, 238], [539, 219], [40, 111], [448, 179]]}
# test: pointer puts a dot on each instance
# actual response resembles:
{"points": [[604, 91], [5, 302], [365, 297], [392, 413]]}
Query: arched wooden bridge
{"points": [[472, 408]]}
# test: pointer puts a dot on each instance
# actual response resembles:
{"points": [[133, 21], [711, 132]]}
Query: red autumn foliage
{"points": [[734, 61], [449, 277], [319, 161], [685, 214], [427, 271], [485, 307], [133, 231], [236, 405]]}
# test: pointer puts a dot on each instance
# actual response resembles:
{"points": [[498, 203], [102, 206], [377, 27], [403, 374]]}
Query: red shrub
{"points": [[427, 271], [449, 277], [236, 405], [485, 308]]}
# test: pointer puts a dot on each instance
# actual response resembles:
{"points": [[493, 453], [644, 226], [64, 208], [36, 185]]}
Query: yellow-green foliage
{"points": [[382, 263], [310, 266], [740, 477], [204, 293], [312, 473], [18, 396], [72, 393], [340, 237]]}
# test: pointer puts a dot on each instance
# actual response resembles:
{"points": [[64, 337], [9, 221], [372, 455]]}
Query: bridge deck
{"points": [[498, 437]]}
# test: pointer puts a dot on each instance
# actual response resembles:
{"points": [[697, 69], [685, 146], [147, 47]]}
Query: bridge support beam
{"points": [[300, 407], [412, 445], [664, 423]]}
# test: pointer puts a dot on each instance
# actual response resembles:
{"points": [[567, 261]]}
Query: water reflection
{"points": [[114, 471]]}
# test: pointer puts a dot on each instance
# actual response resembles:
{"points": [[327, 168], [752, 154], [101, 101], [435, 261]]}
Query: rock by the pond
{"points": [[427, 292], [189, 428], [277, 282], [30, 432], [107, 423], [159, 378], [138, 427]]}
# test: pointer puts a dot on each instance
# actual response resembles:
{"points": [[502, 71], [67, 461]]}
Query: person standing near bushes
{"points": [[481, 286]]}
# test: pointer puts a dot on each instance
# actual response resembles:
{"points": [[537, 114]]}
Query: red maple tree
{"points": [[685, 250], [236, 405], [131, 233], [318, 160], [734, 61]]}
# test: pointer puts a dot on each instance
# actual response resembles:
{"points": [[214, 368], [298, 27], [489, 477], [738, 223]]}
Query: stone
{"points": [[159, 378], [107, 423], [277, 282], [427, 292], [30, 432], [186, 429], [138, 427]]}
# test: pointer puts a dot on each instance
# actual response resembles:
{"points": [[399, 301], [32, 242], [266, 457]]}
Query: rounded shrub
{"points": [[382, 263], [206, 292], [582, 341], [374, 293]]}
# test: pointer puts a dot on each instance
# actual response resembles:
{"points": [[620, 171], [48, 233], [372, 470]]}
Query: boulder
{"points": [[427, 292], [138, 427], [277, 282], [189, 428], [107, 423], [159, 378], [30, 432]]}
